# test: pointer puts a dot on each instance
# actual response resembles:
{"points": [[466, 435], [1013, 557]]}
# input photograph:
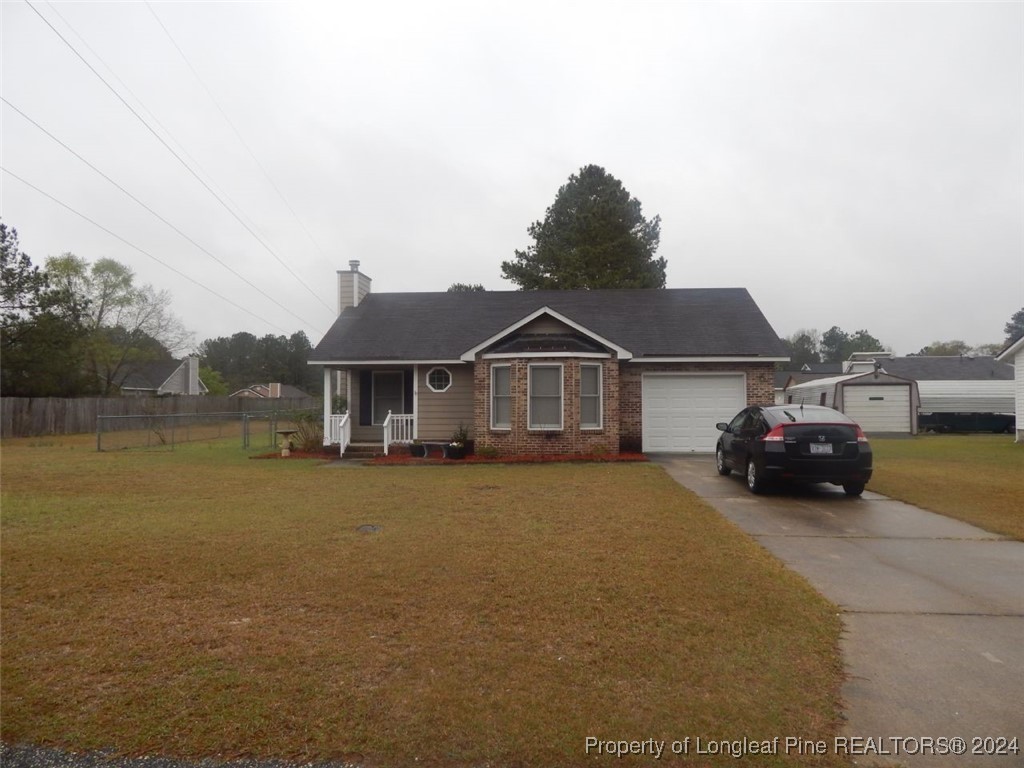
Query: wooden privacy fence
{"points": [[34, 416]]}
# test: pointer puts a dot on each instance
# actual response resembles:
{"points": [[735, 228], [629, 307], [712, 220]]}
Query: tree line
{"points": [[808, 347], [75, 328]]}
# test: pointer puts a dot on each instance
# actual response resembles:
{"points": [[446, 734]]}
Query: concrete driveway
{"points": [[933, 611]]}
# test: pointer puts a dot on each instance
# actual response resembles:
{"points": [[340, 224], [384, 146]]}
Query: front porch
{"points": [[397, 429], [393, 404]]}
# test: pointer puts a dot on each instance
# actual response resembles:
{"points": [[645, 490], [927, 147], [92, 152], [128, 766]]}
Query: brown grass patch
{"points": [[195, 603]]}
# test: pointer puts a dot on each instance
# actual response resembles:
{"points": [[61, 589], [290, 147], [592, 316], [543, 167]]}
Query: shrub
{"points": [[309, 434]]}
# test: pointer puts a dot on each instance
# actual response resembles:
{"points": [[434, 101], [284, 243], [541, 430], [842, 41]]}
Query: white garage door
{"points": [[680, 411], [880, 408]]}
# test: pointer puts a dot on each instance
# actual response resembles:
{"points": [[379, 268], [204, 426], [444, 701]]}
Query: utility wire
{"points": [[178, 157], [165, 221], [237, 133], [152, 116], [137, 248]]}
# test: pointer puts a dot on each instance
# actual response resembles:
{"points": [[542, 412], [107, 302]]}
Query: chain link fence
{"points": [[162, 432]]}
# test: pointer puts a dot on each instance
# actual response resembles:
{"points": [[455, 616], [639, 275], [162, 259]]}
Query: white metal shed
{"points": [[878, 401]]}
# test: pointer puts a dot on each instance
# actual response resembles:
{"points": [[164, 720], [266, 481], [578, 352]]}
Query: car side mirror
{"points": [[722, 426]]}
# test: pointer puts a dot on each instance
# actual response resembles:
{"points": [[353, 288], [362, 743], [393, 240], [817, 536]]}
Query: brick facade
{"points": [[520, 439], [621, 406]]}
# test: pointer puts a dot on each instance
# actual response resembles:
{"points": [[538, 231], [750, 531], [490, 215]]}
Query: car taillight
{"points": [[861, 437], [775, 436]]}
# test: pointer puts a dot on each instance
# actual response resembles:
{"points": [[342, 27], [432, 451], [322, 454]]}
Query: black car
{"points": [[805, 443]]}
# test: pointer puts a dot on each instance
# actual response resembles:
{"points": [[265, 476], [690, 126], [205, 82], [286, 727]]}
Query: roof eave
{"points": [[470, 354]]}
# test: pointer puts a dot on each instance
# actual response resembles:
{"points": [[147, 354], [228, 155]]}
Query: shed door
{"points": [[680, 410], [878, 408]]}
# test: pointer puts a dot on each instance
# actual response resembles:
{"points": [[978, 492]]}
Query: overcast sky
{"points": [[854, 164]]}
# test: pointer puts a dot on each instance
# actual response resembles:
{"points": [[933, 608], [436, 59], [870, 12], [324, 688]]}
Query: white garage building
{"points": [[880, 402]]}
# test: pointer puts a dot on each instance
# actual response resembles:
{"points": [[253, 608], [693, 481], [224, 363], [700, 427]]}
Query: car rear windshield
{"points": [[809, 413]]}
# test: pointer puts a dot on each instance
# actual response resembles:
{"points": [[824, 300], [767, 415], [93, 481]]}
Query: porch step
{"points": [[364, 450]]}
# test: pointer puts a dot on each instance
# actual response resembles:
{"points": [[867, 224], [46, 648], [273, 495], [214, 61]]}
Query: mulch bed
{"points": [[325, 455], [403, 457]]}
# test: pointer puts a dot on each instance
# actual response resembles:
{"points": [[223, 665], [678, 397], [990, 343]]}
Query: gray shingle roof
{"points": [[699, 322], [150, 375], [954, 368]]}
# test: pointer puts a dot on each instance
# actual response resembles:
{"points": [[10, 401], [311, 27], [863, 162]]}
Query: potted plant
{"points": [[417, 449], [457, 445]]}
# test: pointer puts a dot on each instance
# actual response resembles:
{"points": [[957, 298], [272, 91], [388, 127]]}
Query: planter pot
{"points": [[456, 453], [418, 451]]}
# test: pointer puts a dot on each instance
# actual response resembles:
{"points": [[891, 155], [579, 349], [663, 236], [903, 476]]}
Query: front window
{"points": [[590, 396], [501, 397], [545, 397]]}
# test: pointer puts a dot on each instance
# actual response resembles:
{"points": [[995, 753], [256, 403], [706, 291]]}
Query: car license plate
{"points": [[819, 448]]}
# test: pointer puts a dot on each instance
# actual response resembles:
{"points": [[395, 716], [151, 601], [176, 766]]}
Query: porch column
{"points": [[327, 405]]}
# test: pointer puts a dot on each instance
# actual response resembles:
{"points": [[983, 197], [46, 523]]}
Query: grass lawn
{"points": [[975, 478], [198, 603]]}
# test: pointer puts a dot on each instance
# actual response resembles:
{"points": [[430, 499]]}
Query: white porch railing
{"points": [[398, 428], [339, 431]]}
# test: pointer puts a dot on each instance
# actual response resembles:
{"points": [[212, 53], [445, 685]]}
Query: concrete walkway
{"points": [[933, 611]]}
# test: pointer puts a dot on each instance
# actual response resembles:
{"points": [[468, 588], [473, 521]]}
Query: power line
{"points": [[137, 248], [237, 133], [165, 221], [177, 156], [151, 114]]}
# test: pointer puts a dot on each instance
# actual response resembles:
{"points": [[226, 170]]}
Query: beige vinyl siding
{"points": [[439, 413], [545, 324], [178, 381]]}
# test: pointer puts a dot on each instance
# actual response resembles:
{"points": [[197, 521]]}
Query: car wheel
{"points": [[720, 462], [754, 480], [853, 489]]}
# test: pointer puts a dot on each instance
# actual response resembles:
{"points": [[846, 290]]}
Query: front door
{"points": [[388, 394]]}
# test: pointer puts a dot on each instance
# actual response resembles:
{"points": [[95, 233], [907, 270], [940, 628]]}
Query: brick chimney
{"points": [[353, 286]]}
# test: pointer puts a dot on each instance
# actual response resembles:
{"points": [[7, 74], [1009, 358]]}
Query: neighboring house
{"points": [[1014, 355], [544, 371], [272, 390], [164, 377], [880, 402]]}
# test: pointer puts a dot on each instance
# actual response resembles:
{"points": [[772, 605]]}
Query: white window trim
{"points": [[494, 426], [600, 398], [561, 397], [439, 368]]}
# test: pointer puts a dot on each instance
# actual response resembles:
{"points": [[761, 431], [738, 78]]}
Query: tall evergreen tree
{"points": [[1014, 327], [593, 236]]}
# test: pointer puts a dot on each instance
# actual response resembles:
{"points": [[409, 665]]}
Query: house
{"points": [[959, 392], [164, 377], [880, 402], [1014, 355], [544, 371], [272, 390]]}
